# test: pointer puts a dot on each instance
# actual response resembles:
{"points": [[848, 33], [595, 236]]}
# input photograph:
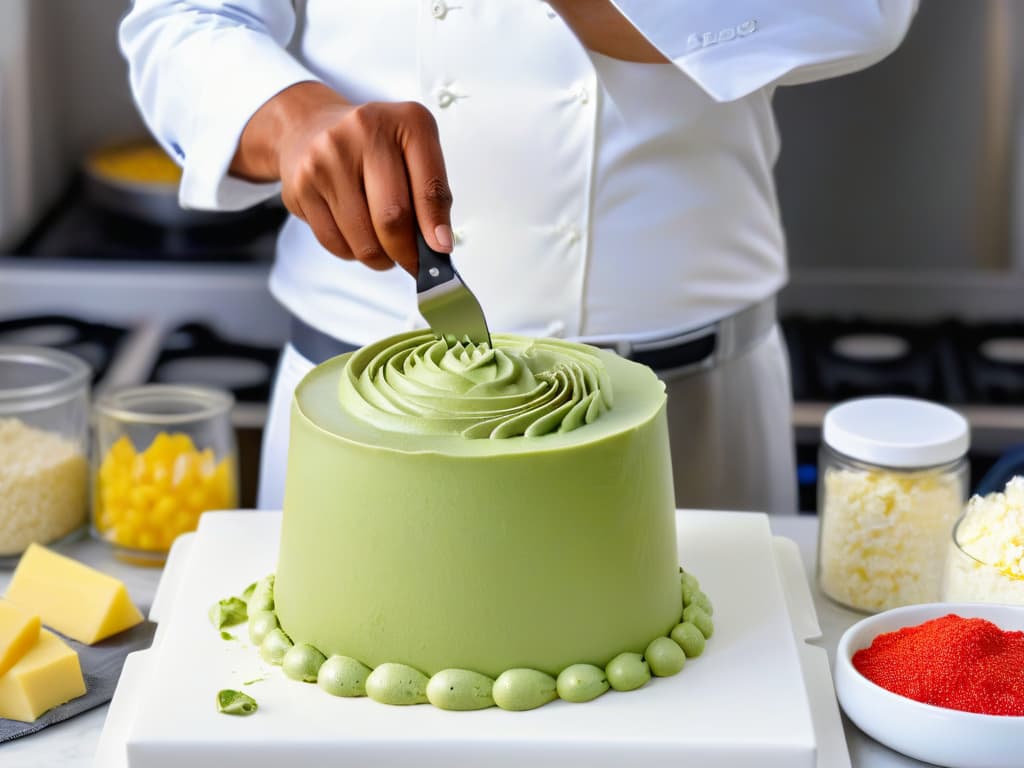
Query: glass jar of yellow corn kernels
{"points": [[162, 455]]}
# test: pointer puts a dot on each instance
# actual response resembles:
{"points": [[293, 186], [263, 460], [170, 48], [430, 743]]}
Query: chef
{"points": [[601, 171]]}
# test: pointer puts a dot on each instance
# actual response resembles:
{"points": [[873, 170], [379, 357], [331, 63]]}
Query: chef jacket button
{"points": [[439, 9], [582, 94], [445, 98], [573, 234], [458, 235]]}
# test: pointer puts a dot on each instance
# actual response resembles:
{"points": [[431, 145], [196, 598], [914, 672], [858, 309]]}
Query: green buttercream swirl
{"points": [[417, 383]]}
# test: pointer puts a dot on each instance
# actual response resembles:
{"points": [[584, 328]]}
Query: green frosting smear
{"points": [[232, 702], [228, 612], [420, 384]]}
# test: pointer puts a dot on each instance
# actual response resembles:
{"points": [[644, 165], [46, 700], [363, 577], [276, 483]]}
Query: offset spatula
{"points": [[445, 302]]}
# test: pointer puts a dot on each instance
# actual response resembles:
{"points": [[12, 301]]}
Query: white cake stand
{"points": [[759, 696]]}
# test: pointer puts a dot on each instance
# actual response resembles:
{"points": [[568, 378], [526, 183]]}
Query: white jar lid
{"points": [[896, 432]]}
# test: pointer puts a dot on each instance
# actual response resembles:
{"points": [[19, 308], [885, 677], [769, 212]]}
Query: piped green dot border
{"points": [[465, 689]]}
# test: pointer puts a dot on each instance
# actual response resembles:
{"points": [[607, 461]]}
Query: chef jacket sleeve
{"points": [[199, 70], [732, 49]]}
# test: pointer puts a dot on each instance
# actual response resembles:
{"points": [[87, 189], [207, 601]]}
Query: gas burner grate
{"points": [[96, 343], [992, 358], [194, 353], [834, 359]]}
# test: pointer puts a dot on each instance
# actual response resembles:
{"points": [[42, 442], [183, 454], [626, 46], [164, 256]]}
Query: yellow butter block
{"points": [[76, 600], [46, 676], [19, 631]]}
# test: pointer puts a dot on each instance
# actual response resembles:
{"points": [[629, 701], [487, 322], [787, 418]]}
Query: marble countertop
{"points": [[72, 743]]}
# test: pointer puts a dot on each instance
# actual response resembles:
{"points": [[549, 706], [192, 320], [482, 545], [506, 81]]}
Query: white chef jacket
{"points": [[594, 198]]}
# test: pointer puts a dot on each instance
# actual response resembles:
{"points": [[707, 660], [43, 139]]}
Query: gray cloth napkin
{"points": [[101, 667]]}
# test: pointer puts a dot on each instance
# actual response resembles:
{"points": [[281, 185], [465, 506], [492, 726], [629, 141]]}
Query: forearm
{"points": [[258, 155], [601, 28], [227, 100], [199, 70]]}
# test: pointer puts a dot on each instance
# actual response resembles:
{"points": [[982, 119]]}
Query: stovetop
{"points": [[189, 353], [77, 229], [951, 361], [991, 356], [194, 353], [95, 343]]}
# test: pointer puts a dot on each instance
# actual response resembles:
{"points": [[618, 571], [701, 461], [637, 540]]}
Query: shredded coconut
{"points": [[43, 481]]}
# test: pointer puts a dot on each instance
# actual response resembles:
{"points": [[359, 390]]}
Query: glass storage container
{"points": [[985, 563], [163, 455], [892, 482], [44, 425]]}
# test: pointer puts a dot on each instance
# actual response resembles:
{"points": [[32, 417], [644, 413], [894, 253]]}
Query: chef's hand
{"points": [[362, 176]]}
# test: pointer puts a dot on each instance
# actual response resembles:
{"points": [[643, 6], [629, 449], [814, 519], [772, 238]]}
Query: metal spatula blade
{"points": [[445, 302]]}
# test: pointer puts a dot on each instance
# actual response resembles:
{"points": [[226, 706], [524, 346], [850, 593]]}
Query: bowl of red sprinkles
{"points": [[940, 682]]}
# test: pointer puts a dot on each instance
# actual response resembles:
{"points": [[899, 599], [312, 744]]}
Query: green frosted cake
{"points": [[456, 509]]}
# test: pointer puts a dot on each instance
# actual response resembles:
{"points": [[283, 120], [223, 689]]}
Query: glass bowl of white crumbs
{"points": [[985, 561]]}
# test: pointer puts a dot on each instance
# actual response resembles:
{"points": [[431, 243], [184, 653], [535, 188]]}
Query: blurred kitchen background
{"points": [[902, 191]]}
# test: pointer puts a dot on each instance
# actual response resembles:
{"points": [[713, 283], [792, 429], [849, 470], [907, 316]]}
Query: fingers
{"points": [[366, 178], [348, 205], [317, 214], [387, 194], [428, 180]]}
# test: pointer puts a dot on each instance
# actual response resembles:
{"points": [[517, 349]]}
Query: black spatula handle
{"points": [[434, 267]]}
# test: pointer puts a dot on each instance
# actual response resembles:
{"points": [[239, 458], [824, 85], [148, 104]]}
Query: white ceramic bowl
{"points": [[937, 735]]}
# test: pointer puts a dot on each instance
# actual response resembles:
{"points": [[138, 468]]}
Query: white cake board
{"points": [[759, 696]]}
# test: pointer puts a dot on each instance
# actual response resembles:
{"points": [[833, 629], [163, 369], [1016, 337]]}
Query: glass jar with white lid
{"points": [[44, 427], [892, 482]]}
